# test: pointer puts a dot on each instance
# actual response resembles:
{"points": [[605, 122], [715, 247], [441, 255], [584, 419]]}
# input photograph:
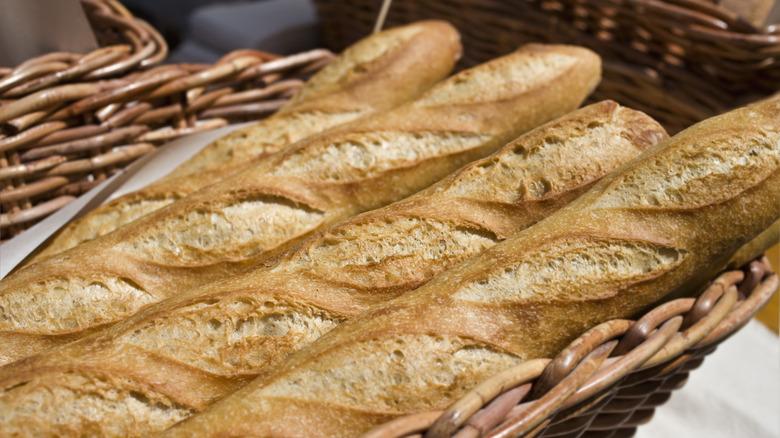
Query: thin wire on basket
{"points": [[380, 20]]}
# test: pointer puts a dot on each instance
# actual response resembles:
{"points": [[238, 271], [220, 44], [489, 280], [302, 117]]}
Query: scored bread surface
{"points": [[244, 326], [375, 74], [636, 236], [272, 205]]}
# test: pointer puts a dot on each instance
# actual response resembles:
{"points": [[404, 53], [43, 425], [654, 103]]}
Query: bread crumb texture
{"points": [[573, 269], [233, 335], [59, 305], [467, 87], [105, 220], [360, 155], [78, 404], [540, 166], [214, 233], [396, 374], [249, 333], [388, 251], [706, 171], [273, 134]]}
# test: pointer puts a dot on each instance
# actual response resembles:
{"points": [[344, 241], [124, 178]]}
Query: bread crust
{"points": [[246, 325], [376, 74], [643, 232], [237, 223], [760, 244]]}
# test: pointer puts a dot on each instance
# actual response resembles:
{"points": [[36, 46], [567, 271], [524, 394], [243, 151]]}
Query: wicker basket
{"points": [[69, 121], [609, 380], [680, 61]]}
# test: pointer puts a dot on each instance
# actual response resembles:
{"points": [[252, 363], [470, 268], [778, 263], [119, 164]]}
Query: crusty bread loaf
{"points": [[637, 235], [216, 337], [238, 222], [375, 74], [759, 245]]}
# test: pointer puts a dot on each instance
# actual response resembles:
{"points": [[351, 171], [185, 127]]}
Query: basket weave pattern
{"points": [[608, 381], [680, 61], [69, 121]]}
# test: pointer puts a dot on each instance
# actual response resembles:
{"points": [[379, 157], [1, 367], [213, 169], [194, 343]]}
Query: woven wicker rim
{"points": [[680, 61], [539, 394], [133, 44], [69, 121]]}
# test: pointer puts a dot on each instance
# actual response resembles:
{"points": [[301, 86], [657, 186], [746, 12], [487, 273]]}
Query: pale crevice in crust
{"points": [[549, 161], [248, 334], [77, 404], [236, 335], [561, 268], [58, 305], [364, 155], [232, 232], [271, 136], [465, 87], [384, 253], [402, 373], [534, 170], [107, 219], [684, 177]]}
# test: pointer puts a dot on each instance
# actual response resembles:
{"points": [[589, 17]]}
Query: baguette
{"points": [[760, 244], [239, 222], [376, 74], [637, 235], [216, 337]]}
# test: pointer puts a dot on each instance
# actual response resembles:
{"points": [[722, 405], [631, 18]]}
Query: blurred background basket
{"points": [[68, 121], [680, 61], [608, 381]]}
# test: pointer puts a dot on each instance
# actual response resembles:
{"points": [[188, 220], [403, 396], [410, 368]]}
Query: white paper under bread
{"points": [[143, 171], [735, 392]]}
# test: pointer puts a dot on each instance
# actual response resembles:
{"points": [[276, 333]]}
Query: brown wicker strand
{"points": [[117, 136], [493, 413], [31, 167], [540, 410], [40, 210], [406, 426], [698, 331], [569, 357], [32, 190], [46, 98], [628, 362], [30, 135], [460, 411], [21, 123]]}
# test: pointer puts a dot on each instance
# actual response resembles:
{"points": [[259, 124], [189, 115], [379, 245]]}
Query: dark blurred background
{"points": [[204, 30]]}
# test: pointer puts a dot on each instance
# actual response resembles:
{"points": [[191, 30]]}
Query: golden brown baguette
{"points": [[638, 234], [216, 337], [375, 74], [760, 244], [238, 222]]}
